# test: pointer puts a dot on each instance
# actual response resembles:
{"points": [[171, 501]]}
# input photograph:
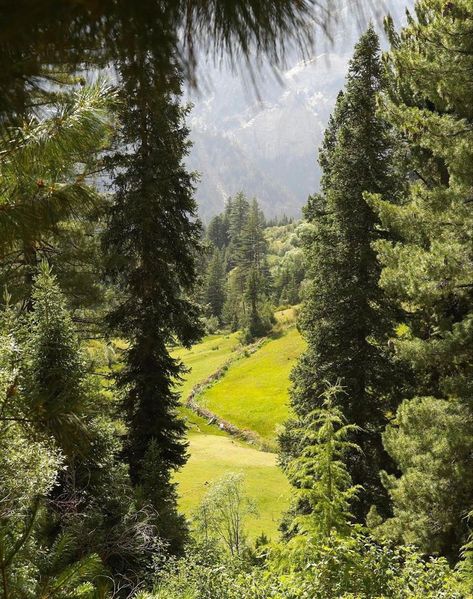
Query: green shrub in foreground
{"points": [[350, 568]]}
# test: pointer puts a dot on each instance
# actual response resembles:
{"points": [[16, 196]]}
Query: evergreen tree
{"points": [[248, 287], [58, 412], [214, 285], [430, 441], [152, 240], [429, 271], [238, 209], [56, 377], [256, 324], [217, 231], [319, 473], [252, 245], [46, 186], [346, 319], [253, 265], [234, 308], [54, 402]]}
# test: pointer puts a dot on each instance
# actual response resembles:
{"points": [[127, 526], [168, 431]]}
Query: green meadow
{"points": [[260, 404], [212, 456], [253, 394], [205, 358]]}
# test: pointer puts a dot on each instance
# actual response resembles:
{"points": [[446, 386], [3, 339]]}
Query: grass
{"points": [[196, 424], [213, 456], [254, 392], [205, 358]]}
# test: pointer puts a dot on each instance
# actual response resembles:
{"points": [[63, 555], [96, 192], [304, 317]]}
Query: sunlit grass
{"points": [[204, 358], [254, 393], [213, 456]]}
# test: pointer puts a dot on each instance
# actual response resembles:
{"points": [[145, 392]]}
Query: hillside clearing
{"points": [[254, 392], [213, 456], [204, 358]]}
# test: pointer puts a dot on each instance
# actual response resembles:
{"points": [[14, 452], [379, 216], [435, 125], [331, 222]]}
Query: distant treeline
{"points": [[251, 265]]}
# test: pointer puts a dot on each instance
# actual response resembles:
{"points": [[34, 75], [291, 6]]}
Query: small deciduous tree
{"points": [[222, 513]]}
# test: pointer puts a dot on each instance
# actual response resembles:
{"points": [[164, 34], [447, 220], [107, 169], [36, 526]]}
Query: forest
{"points": [[250, 408]]}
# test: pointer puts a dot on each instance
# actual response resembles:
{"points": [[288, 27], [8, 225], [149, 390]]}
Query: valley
{"points": [[253, 395]]}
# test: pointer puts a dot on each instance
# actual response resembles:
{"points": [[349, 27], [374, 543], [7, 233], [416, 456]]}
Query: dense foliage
{"points": [[429, 272], [251, 267], [151, 241], [99, 288], [346, 317]]}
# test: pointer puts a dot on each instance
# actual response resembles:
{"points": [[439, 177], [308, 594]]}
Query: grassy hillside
{"points": [[213, 456], [205, 358], [253, 394]]}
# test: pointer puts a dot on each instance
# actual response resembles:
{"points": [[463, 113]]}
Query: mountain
{"points": [[263, 138]]}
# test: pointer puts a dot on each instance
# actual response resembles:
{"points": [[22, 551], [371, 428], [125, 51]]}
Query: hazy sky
{"points": [[344, 36]]}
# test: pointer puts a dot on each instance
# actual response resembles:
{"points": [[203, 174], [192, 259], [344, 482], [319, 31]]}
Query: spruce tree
{"points": [[252, 263], [59, 409], [217, 231], [252, 247], [248, 285], [429, 272], [345, 318], [58, 403], [152, 241], [56, 376], [214, 285], [237, 209], [320, 474]]}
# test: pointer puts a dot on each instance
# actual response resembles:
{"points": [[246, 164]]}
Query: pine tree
{"points": [[152, 240], [345, 318], [214, 285], [46, 184], [234, 308], [429, 271]]}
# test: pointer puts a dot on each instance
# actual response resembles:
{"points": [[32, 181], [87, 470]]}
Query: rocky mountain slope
{"points": [[264, 140]]}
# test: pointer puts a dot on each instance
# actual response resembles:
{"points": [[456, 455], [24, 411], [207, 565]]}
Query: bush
{"points": [[344, 568], [211, 324]]}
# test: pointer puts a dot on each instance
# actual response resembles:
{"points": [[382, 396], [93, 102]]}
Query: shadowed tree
{"points": [[152, 242], [346, 318]]}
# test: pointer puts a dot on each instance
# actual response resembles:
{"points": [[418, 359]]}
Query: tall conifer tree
{"points": [[345, 318], [153, 238], [429, 271], [214, 284], [217, 231], [237, 209]]}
